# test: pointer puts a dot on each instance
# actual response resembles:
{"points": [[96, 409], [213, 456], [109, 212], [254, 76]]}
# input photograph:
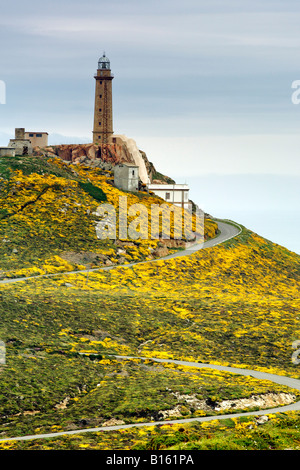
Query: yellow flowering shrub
{"points": [[44, 214]]}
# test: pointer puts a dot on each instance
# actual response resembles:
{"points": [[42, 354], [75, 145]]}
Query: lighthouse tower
{"points": [[103, 115]]}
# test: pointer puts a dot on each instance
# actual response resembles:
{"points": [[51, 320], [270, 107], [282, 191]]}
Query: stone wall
{"points": [[89, 154], [7, 152]]}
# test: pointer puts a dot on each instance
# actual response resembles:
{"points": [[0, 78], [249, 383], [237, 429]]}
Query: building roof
{"points": [[168, 186], [127, 164], [36, 132]]}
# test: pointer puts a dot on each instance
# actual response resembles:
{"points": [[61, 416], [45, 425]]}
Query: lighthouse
{"points": [[103, 114]]}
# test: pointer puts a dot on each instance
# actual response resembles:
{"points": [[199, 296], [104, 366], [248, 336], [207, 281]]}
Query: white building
{"points": [[177, 194]]}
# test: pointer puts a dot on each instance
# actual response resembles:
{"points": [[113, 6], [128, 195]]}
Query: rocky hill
{"points": [[233, 304], [91, 155], [48, 215]]}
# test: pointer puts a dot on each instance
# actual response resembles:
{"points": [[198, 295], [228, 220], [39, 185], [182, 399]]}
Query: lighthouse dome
{"points": [[104, 62]]}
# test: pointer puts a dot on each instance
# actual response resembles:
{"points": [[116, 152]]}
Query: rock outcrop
{"points": [[89, 154], [154, 175], [115, 153], [188, 402]]}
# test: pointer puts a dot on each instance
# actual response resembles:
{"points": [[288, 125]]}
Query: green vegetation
{"points": [[159, 176], [42, 389], [234, 304], [48, 209], [93, 191], [280, 432]]}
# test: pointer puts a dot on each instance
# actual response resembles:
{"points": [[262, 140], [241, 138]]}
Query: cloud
{"points": [[189, 28], [186, 74]]}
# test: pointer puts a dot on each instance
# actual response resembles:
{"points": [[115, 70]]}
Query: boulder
{"points": [[113, 422], [160, 252], [262, 419]]}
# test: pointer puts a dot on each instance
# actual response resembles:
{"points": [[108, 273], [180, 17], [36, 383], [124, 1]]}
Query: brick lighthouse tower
{"points": [[103, 120]]}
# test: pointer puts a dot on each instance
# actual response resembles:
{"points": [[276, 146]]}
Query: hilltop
{"points": [[91, 155], [48, 218]]}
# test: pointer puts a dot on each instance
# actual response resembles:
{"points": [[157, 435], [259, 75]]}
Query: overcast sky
{"points": [[204, 87], [210, 80]]}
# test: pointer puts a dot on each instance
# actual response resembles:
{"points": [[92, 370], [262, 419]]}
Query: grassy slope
{"points": [[48, 214], [234, 304]]}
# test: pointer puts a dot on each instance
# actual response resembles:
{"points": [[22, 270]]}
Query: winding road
{"points": [[227, 231], [290, 382]]}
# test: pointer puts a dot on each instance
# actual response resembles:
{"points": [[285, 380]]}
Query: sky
{"points": [[203, 87]]}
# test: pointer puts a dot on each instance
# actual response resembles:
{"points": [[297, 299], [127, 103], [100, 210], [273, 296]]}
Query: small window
{"points": [[114, 140], [167, 196], [100, 96], [99, 123], [132, 172], [31, 135], [100, 82], [100, 109], [39, 135]]}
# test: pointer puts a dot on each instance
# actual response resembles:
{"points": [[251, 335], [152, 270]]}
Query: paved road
{"points": [[227, 231], [290, 382]]}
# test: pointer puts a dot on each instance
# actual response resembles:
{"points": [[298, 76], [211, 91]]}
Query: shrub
{"points": [[93, 191]]}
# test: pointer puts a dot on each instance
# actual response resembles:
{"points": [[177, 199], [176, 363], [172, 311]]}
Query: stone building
{"points": [[20, 144], [7, 152], [131, 151], [126, 176], [37, 139], [103, 112], [103, 134]]}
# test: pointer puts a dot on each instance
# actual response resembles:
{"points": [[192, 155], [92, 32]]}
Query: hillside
{"points": [[236, 304], [48, 218], [91, 155]]}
